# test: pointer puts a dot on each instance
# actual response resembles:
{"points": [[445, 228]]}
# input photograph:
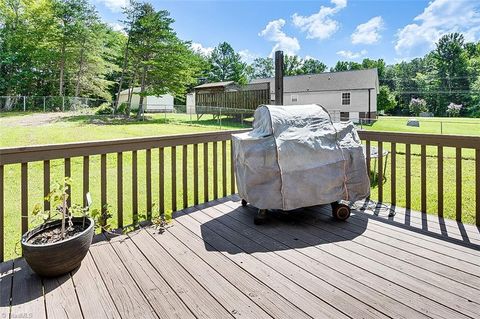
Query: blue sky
{"points": [[328, 30]]}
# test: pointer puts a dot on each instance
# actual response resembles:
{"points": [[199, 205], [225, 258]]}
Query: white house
{"points": [[162, 103], [348, 94]]}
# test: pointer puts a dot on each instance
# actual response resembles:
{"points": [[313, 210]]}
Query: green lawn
{"points": [[18, 129], [437, 125]]}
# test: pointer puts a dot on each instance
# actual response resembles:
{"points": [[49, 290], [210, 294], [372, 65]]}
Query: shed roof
{"points": [[214, 84], [327, 81]]}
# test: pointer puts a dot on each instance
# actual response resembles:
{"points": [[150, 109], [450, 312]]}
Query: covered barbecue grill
{"points": [[296, 157]]}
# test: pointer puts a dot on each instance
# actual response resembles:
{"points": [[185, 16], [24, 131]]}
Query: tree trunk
{"points": [[142, 89], [124, 68], [80, 70], [62, 67]]}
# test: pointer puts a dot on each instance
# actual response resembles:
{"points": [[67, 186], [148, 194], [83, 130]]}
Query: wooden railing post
{"points": [[120, 189]]}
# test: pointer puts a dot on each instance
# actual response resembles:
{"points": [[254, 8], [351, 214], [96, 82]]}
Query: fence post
{"points": [[63, 103], [24, 103], [44, 109]]}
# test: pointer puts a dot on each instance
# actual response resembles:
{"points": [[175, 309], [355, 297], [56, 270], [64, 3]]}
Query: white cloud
{"points": [[273, 32], [439, 18], [368, 32], [198, 47], [247, 55], [320, 25], [352, 55], [114, 5]]}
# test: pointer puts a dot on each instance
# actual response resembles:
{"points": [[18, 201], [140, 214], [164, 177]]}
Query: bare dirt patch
{"points": [[32, 120]]}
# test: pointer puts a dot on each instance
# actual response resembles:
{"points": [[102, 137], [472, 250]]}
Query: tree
{"points": [[385, 99], [346, 66], [451, 62], [262, 68], [418, 106], [292, 65], [161, 62], [226, 65], [312, 66]]}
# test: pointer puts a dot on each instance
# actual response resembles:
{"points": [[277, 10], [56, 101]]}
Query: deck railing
{"points": [[182, 170], [197, 174], [441, 159]]}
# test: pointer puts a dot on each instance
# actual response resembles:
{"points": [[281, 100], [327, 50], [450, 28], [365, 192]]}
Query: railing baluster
{"points": [[2, 203], [46, 184], [174, 178], [120, 189], [408, 180], [423, 178], [205, 172], [477, 186], [68, 173], [24, 178], [367, 156], [232, 169], [161, 181], [148, 181], [195, 174], [103, 182], [224, 168], [440, 180], [184, 176], [380, 171], [134, 188], [86, 175], [458, 174], [215, 170], [393, 174]]}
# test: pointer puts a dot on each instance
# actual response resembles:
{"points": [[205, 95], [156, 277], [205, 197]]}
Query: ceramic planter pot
{"points": [[55, 259]]}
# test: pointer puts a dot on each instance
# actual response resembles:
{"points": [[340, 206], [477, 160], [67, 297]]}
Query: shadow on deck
{"points": [[213, 262]]}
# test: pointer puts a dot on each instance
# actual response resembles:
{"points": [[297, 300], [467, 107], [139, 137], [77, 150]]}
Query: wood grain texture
{"points": [[423, 178], [205, 172], [161, 180], [174, 178], [2, 213], [24, 197], [380, 172], [6, 276], [224, 168], [130, 301], [408, 176], [27, 293], [120, 189], [440, 180], [458, 183], [148, 182], [215, 170], [195, 174], [86, 179], [60, 298], [185, 176], [393, 174], [134, 187], [477, 187], [87, 279], [103, 181]]}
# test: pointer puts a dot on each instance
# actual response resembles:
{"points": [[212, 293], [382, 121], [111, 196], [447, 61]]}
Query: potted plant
{"points": [[59, 245]]}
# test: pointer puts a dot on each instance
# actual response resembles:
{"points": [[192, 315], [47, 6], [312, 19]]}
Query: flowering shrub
{"points": [[454, 109], [417, 106]]}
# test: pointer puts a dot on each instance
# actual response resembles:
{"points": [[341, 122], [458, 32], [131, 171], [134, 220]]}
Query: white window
{"points": [[294, 98], [346, 98]]}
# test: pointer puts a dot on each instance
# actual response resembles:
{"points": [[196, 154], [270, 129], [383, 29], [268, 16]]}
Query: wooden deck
{"points": [[212, 262]]}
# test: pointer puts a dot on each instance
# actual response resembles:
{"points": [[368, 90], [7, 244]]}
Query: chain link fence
{"points": [[47, 103]]}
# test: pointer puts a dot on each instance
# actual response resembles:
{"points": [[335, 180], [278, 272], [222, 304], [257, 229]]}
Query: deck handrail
{"points": [[217, 176]]}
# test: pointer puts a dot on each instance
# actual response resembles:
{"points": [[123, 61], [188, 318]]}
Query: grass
{"points": [[437, 125], [18, 129]]}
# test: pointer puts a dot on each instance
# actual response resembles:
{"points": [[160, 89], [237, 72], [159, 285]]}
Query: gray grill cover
{"points": [[296, 157]]}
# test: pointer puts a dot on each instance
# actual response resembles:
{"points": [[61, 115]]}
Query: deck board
{"points": [[213, 262]]}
